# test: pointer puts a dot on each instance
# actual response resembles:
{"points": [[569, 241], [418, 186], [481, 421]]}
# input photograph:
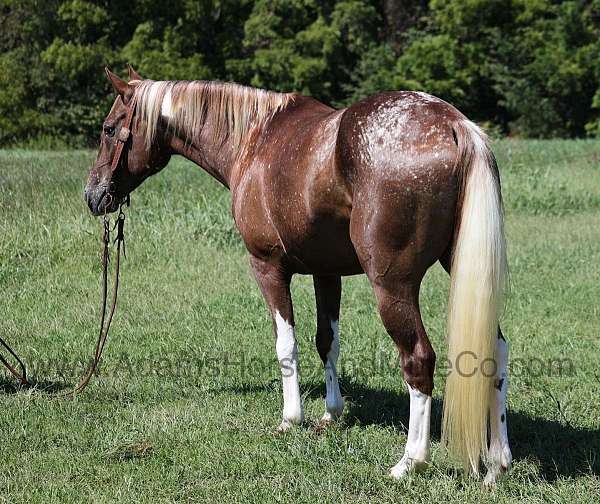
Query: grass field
{"points": [[189, 393]]}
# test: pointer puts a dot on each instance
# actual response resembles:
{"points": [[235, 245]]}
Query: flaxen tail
{"points": [[478, 279]]}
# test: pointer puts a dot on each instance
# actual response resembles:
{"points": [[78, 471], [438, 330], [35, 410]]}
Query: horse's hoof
{"points": [[399, 471], [326, 421], [498, 468], [489, 481], [406, 466], [284, 427], [328, 418], [281, 429], [494, 475]]}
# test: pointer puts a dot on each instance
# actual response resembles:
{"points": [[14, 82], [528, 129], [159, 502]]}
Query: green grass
{"points": [[189, 393]]}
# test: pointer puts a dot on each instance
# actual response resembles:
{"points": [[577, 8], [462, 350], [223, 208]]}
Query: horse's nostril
{"points": [[91, 198], [87, 195]]}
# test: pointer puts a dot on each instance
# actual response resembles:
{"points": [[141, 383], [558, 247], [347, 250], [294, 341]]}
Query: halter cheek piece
{"points": [[123, 136]]}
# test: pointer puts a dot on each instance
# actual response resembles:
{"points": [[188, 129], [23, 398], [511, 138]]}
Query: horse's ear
{"points": [[120, 86], [133, 75]]}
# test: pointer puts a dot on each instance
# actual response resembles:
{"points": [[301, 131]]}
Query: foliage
{"points": [[531, 68]]}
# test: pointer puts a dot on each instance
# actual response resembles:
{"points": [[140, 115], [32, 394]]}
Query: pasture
{"points": [[189, 392]]}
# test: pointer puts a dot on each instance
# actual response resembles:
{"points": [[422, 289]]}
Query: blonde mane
{"points": [[232, 109]]}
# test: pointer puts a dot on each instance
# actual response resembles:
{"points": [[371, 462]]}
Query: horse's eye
{"points": [[109, 131]]}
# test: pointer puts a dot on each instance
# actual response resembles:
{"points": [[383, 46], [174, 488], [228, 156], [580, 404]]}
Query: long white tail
{"points": [[478, 280]]}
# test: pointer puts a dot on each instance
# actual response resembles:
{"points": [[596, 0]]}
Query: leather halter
{"points": [[123, 135]]}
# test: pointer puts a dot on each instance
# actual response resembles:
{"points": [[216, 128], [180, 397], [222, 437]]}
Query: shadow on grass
{"points": [[560, 450], [11, 386]]}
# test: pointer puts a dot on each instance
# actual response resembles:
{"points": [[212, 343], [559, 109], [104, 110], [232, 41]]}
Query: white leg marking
{"points": [[334, 403], [416, 453], [287, 355], [499, 455]]}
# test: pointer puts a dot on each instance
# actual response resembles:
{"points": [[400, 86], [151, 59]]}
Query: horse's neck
{"points": [[219, 153], [217, 160]]}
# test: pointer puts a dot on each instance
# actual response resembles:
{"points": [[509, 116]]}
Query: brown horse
{"points": [[385, 187]]}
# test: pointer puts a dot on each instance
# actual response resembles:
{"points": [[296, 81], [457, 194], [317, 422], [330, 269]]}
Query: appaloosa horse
{"points": [[385, 187]]}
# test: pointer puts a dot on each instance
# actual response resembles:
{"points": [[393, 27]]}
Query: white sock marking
{"points": [[287, 355], [499, 455], [416, 452], [334, 403]]}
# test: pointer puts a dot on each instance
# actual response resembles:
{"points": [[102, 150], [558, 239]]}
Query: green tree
{"points": [[307, 46], [531, 67], [551, 72]]}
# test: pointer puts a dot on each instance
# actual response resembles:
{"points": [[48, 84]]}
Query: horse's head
{"points": [[124, 160]]}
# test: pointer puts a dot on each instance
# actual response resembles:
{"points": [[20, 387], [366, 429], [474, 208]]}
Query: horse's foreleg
{"points": [[275, 286], [327, 293], [499, 455]]}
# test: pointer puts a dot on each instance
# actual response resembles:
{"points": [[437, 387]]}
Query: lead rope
{"points": [[22, 376], [124, 134], [104, 328]]}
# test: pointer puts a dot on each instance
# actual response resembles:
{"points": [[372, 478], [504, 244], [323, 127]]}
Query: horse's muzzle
{"points": [[100, 201]]}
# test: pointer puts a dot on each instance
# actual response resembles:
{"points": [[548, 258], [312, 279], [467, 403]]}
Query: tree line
{"points": [[527, 68]]}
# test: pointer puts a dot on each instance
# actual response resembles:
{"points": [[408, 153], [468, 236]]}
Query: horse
{"points": [[386, 187]]}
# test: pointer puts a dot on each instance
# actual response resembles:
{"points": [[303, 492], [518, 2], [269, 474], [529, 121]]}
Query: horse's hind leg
{"points": [[399, 310], [499, 455], [395, 275], [395, 253], [327, 293]]}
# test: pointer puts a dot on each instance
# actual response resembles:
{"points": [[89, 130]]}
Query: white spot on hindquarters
{"points": [[396, 130], [427, 97], [416, 452], [287, 355], [334, 402]]}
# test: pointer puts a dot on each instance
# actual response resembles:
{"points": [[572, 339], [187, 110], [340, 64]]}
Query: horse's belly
{"points": [[324, 248]]}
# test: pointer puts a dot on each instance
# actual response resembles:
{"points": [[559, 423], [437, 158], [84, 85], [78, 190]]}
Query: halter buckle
{"points": [[124, 134]]}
